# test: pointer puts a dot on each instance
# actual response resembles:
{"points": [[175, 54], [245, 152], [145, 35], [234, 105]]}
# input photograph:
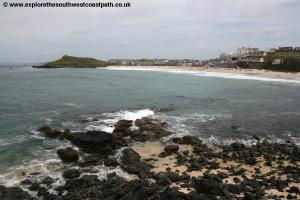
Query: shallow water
{"points": [[206, 106]]}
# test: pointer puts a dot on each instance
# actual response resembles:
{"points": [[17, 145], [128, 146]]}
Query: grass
{"points": [[72, 61]]}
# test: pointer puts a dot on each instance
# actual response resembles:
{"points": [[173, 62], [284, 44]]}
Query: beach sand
{"points": [[247, 72]]}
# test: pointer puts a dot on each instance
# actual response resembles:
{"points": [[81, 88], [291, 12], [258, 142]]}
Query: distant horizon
{"points": [[135, 58]]}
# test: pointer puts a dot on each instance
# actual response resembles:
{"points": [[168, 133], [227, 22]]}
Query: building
{"points": [[244, 51], [286, 49], [257, 57], [297, 49]]}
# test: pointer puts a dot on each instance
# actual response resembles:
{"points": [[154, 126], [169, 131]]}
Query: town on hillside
{"points": [[243, 57]]}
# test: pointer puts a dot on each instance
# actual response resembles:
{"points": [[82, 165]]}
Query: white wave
{"points": [[108, 123], [208, 74], [101, 127], [131, 115], [71, 104]]}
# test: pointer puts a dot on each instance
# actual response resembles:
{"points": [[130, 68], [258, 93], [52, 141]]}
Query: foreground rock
{"points": [[184, 168]]}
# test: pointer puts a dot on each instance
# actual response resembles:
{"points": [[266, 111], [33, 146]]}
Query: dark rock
{"points": [[14, 193], [235, 189], [42, 191], [250, 161], [172, 148], [236, 180], [47, 180], [131, 163], [222, 175], [293, 189], [256, 137], [162, 179], [172, 194], [122, 128], [257, 170], [92, 158], [96, 141], [68, 154], [234, 127], [191, 140], [45, 129], [237, 146], [111, 162], [65, 135], [173, 176], [289, 196], [49, 132], [209, 184], [184, 177], [34, 186], [71, 173], [148, 129], [110, 175], [26, 182]]}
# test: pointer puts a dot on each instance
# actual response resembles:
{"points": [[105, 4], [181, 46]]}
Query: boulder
{"points": [[131, 163], [68, 154]]}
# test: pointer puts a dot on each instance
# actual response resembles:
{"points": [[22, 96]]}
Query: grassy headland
{"points": [[74, 62]]}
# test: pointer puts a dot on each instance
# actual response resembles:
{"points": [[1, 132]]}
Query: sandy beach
{"points": [[237, 71]]}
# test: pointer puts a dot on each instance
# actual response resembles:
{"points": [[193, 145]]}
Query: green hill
{"points": [[74, 62]]}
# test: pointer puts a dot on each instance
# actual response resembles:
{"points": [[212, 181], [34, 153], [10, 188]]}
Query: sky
{"points": [[195, 29]]}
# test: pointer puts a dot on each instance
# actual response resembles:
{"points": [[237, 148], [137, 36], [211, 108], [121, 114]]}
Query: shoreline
{"points": [[228, 71], [141, 165]]}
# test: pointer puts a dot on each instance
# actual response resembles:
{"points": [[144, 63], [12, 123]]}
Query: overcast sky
{"points": [[149, 29]]}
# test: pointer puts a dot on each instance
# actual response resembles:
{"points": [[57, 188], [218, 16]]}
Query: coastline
{"points": [[140, 165], [216, 70]]}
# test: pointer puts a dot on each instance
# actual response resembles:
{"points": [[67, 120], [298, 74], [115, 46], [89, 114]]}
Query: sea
{"points": [[218, 108]]}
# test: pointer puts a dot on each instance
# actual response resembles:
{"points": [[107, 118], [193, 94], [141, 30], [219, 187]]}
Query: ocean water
{"points": [[206, 105]]}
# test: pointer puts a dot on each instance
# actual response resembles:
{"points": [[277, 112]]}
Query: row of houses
{"points": [[157, 62], [243, 54], [253, 55]]}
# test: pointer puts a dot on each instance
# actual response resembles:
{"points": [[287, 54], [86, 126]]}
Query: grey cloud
{"points": [[163, 29]]}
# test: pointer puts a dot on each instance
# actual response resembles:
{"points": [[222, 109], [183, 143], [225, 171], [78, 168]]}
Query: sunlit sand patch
{"points": [[148, 149]]}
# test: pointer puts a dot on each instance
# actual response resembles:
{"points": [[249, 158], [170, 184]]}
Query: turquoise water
{"points": [[192, 104]]}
